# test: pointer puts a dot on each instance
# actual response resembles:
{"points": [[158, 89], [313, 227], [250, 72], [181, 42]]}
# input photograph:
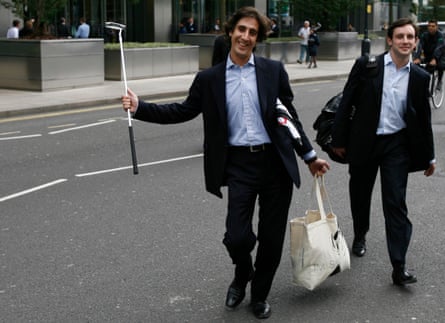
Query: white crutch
{"points": [[120, 28]]}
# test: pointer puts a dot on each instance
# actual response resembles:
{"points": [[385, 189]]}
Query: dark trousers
{"points": [[391, 157], [250, 176]]}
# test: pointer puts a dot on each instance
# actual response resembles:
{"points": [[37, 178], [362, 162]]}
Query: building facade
{"points": [[161, 20], [155, 20]]}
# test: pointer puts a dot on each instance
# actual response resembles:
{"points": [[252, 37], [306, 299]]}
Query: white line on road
{"points": [[62, 126], [140, 165], [9, 133], [2, 199], [80, 127], [21, 137]]}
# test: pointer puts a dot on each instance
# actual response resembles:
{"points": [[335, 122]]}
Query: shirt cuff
{"points": [[310, 156]]}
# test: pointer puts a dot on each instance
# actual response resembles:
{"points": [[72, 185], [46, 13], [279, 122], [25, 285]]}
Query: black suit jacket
{"points": [[207, 95], [362, 98], [220, 50]]}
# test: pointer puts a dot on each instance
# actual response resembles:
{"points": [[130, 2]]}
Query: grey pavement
{"points": [[16, 102]]}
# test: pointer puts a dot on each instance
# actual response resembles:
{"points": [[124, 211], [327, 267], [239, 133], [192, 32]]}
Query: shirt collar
{"points": [[388, 61], [230, 64]]}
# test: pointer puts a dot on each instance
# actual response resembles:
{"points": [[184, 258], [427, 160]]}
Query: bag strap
{"points": [[324, 193], [318, 195]]}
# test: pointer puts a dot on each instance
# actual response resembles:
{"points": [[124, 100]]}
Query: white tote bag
{"points": [[318, 247]]}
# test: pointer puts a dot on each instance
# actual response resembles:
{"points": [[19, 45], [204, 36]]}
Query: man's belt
{"points": [[252, 149]]}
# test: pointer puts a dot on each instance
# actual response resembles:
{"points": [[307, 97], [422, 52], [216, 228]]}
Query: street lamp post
{"points": [[366, 43]]}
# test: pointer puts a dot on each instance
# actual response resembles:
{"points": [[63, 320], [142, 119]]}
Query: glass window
{"points": [[281, 10], [233, 5], [205, 13]]}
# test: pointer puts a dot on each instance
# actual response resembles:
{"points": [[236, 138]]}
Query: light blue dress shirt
{"points": [[83, 31], [246, 126], [394, 97]]}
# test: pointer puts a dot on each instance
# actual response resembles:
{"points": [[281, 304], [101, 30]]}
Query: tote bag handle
{"points": [[319, 190]]}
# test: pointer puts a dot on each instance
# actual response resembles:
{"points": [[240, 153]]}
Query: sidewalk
{"points": [[15, 102]]}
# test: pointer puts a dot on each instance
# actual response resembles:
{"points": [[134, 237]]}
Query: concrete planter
{"points": [[143, 63], [205, 43], [43, 65], [284, 51], [378, 46], [345, 45], [338, 45]]}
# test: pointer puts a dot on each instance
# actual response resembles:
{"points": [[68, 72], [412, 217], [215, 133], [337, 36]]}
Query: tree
{"points": [[41, 10], [437, 9], [327, 12]]}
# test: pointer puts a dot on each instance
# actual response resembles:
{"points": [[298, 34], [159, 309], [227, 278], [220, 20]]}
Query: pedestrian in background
{"points": [[274, 29], [313, 43], [217, 26], [28, 29], [245, 150], [303, 33], [390, 131], [83, 31], [191, 26], [62, 29], [13, 32], [351, 28]]}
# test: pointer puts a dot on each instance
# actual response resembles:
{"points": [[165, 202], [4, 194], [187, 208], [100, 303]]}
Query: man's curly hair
{"points": [[251, 12]]}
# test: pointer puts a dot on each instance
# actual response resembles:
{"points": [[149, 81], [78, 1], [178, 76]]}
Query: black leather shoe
{"points": [[359, 247], [401, 277], [235, 295], [261, 310]]}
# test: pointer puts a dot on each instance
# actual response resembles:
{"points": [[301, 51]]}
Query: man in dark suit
{"points": [[245, 149], [220, 50], [390, 130]]}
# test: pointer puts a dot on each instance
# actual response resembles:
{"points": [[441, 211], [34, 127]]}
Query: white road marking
{"points": [[139, 165], [62, 126], [9, 133], [80, 127], [21, 137], [5, 198]]}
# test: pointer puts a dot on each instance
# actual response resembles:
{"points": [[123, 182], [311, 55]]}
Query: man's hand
{"points": [[341, 151], [319, 167], [130, 101], [417, 61], [430, 170]]}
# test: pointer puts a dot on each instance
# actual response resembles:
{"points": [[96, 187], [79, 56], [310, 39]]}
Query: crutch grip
{"points": [[133, 151]]}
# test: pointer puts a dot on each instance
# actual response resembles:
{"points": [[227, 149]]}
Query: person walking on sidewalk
{"points": [[313, 43], [245, 150], [303, 33], [390, 130]]}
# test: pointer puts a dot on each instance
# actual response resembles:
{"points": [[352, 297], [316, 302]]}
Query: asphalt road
{"points": [[82, 239]]}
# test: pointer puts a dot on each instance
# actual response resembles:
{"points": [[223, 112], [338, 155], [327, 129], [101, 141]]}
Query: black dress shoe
{"points": [[401, 277], [235, 295], [261, 310], [359, 247]]}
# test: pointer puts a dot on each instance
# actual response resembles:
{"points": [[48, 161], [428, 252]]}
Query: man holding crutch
{"points": [[245, 149]]}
